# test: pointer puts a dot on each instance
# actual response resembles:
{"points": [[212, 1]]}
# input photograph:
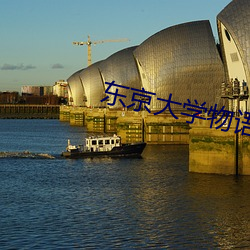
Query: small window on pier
{"points": [[227, 35]]}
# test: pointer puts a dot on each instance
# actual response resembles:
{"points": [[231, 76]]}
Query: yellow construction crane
{"points": [[89, 43]]}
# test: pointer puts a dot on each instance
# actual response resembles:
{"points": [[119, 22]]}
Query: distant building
{"points": [[40, 100], [37, 90], [60, 89], [9, 97], [30, 90], [38, 95], [47, 90]]}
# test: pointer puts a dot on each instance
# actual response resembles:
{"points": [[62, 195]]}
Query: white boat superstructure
{"points": [[102, 143]]}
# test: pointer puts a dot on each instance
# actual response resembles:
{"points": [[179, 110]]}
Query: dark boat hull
{"points": [[132, 150]]}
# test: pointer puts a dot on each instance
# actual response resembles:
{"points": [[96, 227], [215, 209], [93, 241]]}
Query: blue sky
{"points": [[36, 35]]}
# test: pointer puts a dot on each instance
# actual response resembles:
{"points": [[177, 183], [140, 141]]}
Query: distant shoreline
{"points": [[24, 111]]}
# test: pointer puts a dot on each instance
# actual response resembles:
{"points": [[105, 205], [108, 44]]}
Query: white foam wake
{"points": [[26, 154]]}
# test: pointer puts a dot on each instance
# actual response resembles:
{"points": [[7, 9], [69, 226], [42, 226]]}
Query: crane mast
{"points": [[89, 43]]}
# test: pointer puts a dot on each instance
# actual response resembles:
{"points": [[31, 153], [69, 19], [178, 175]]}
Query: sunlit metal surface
{"points": [[77, 95], [182, 60], [93, 85], [121, 68], [234, 27]]}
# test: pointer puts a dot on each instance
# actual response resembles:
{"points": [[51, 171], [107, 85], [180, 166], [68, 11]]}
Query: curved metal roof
{"points": [[236, 18], [182, 60], [93, 85], [121, 68], [77, 95]]}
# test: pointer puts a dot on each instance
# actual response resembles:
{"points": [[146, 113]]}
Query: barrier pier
{"points": [[132, 126], [214, 151]]}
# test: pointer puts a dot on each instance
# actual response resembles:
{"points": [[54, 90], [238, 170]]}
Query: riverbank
{"points": [[25, 111]]}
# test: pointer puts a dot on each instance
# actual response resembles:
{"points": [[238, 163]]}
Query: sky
{"points": [[36, 35]]}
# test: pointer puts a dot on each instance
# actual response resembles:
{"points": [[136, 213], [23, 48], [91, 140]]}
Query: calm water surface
{"points": [[148, 203]]}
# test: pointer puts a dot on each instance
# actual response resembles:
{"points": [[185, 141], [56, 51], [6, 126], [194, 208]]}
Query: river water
{"points": [[149, 203]]}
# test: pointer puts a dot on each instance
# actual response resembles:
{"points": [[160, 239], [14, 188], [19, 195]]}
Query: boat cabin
{"points": [[102, 143]]}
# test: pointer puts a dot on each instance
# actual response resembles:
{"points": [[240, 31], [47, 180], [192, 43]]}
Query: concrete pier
{"points": [[164, 129], [132, 126], [64, 114], [214, 151]]}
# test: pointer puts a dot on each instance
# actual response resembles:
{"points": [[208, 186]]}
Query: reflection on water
{"points": [[224, 201], [106, 203]]}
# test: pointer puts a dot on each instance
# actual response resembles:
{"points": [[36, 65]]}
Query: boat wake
{"points": [[26, 154]]}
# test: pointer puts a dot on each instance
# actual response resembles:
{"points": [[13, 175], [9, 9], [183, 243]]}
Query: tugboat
{"points": [[96, 146]]}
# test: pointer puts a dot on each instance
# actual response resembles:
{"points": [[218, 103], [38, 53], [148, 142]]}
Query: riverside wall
{"points": [[214, 151], [25, 111]]}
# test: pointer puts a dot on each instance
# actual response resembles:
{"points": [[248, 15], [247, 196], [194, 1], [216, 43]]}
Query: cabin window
{"points": [[100, 142], [112, 142], [94, 142], [117, 141], [107, 142]]}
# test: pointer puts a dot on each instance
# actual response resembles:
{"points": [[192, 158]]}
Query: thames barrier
{"points": [[186, 62]]}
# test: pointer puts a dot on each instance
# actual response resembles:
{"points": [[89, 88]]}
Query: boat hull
{"points": [[126, 150]]}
